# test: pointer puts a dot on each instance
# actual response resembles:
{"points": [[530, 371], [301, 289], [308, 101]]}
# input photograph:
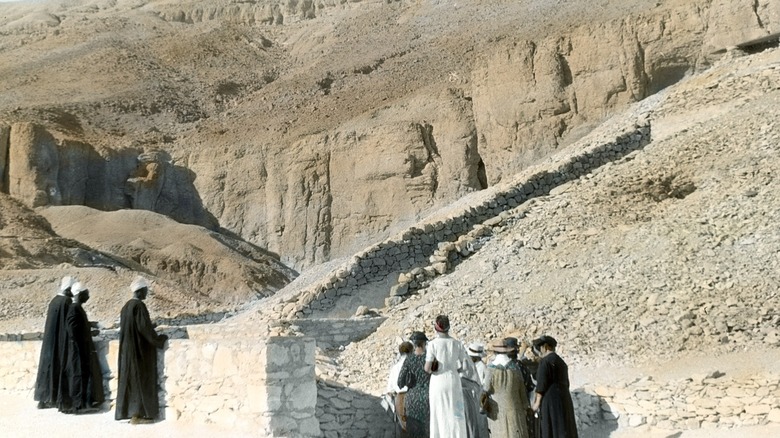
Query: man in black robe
{"points": [[51, 387], [138, 343], [85, 378], [553, 400]]}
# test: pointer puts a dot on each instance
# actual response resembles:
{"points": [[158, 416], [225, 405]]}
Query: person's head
{"points": [[65, 286], [442, 324], [418, 339], [140, 288], [405, 348], [512, 344], [80, 293], [544, 344], [499, 346], [475, 351]]}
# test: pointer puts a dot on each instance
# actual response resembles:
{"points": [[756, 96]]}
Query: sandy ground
{"points": [[20, 419]]}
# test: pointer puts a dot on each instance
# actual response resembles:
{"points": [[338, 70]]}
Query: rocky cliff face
{"points": [[314, 138]]}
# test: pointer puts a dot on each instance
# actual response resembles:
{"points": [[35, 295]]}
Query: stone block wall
{"points": [[19, 364], [263, 385], [420, 247], [699, 402], [330, 333], [344, 412]]}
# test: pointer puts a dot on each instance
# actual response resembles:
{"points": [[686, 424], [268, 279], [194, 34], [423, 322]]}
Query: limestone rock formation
{"points": [[33, 165], [283, 136]]}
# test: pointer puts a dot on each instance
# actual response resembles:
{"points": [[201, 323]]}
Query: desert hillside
{"points": [[273, 165], [311, 130]]}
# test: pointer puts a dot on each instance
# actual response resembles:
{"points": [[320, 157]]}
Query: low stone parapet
{"points": [[265, 385]]}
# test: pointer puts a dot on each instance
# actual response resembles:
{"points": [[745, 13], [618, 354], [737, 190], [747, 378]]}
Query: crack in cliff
{"points": [[426, 133], [755, 7], [531, 56]]}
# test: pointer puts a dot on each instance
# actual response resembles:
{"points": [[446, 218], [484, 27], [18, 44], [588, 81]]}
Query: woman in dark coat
{"points": [[415, 418], [553, 400]]}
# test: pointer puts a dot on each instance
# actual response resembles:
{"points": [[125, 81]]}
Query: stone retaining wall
{"points": [[700, 402], [264, 385], [416, 248], [330, 333], [344, 412]]}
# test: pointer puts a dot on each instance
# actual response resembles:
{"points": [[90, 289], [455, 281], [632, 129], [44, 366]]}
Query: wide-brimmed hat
{"points": [[418, 336], [476, 350], [544, 339], [500, 346], [512, 343]]}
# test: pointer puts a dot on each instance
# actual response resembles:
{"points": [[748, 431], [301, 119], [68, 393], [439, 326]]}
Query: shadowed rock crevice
{"points": [[43, 170]]}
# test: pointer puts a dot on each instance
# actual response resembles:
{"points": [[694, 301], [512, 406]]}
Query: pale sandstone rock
{"points": [[33, 165]]}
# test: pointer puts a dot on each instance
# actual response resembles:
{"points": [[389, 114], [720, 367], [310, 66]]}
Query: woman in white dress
{"points": [[444, 358]]}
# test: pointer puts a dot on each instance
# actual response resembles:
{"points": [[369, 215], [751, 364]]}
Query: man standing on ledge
{"points": [[138, 343]]}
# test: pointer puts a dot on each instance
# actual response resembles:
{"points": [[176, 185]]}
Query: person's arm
{"points": [[145, 327], [487, 384], [542, 383], [429, 358], [537, 401]]}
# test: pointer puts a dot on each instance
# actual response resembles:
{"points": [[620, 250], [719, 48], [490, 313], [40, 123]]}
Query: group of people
{"points": [[440, 388], [70, 376]]}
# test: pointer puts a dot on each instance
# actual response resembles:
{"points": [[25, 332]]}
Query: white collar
{"points": [[501, 359]]}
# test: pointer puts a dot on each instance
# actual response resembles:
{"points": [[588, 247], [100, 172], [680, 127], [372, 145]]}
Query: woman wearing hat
{"points": [[414, 415], [476, 352], [508, 402], [553, 400], [448, 415]]}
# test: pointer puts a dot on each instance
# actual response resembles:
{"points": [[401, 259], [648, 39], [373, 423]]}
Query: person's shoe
{"points": [[141, 420]]}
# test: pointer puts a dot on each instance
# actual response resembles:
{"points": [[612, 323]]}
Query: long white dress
{"points": [[448, 415]]}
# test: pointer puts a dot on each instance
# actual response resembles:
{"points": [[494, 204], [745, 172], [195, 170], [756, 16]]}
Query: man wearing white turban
{"points": [[85, 378], [51, 386], [138, 343]]}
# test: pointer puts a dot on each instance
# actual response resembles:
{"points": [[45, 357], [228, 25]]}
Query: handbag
{"points": [[434, 365]]}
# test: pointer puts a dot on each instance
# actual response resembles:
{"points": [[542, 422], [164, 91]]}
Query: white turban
{"points": [[138, 283], [66, 282], [77, 287]]}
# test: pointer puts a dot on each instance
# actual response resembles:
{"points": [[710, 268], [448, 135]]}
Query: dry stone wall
{"points": [[331, 333], [344, 412], [699, 402], [429, 249]]}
